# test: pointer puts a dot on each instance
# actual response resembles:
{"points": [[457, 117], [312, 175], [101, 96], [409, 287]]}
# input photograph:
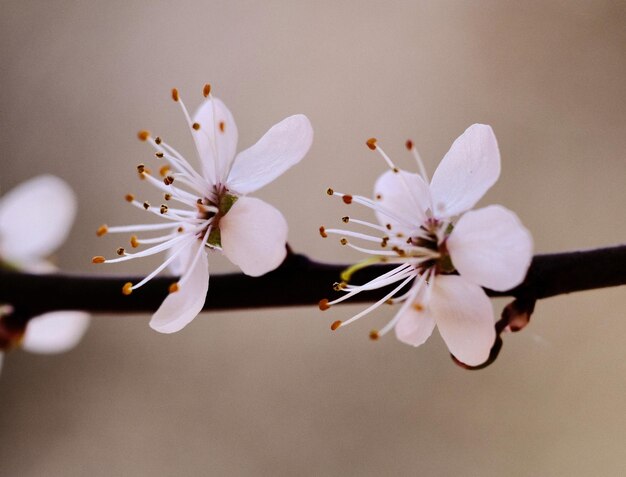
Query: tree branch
{"points": [[298, 281]]}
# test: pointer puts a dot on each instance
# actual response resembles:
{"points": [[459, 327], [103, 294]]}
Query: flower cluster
{"points": [[210, 210], [443, 252], [35, 218]]}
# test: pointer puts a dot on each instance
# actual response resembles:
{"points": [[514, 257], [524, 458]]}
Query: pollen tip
{"points": [[347, 199], [409, 144], [343, 241], [103, 229], [175, 95], [129, 197], [196, 126], [335, 325], [167, 196], [371, 143], [323, 304], [141, 168], [134, 241], [120, 251], [159, 154], [329, 191], [98, 259], [173, 288], [168, 180], [143, 135], [323, 232], [163, 209], [345, 219], [158, 140], [127, 289], [146, 205], [164, 170], [374, 335], [206, 91]]}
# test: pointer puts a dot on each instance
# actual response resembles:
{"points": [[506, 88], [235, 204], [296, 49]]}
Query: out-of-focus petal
{"points": [[283, 146], [35, 218], [182, 261], [181, 307], [468, 170], [464, 318], [55, 332], [416, 324], [491, 247], [223, 129], [405, 195], [254, 236]]}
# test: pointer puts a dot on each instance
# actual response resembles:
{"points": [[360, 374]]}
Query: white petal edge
{"points": [[491, 247], [466, 173], [406, 196], [35, 218], [464, 318], [181, 307], [55, 332], [211, 138], [254, 236], [283, 146]]}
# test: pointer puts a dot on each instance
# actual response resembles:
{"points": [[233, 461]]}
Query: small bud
{"points": [[164, 170], [345, 219], [329, 191], [134, 241], [163, 209], [159, 154], [141, 168], [158, 140], [222, 126]]}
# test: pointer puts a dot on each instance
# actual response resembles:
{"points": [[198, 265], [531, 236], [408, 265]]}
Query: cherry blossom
{"points": [[210, 210], [443, 253]]}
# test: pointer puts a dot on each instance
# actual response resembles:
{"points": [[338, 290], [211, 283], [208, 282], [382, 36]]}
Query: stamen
{"points": [[129, 197], [374, 335], [164, 170], [196, 126], [206, 91], [222, 126], [175, 95], [103, 229], [173, 288], [335, 325], [371, 143], [134, 242], [127, 289], [323, 232], [323, 304], [98, 259], [347, 199], [120, 251], [143, 135]]}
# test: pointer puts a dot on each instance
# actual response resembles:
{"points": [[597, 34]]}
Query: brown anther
{"points": [[379, 197], [103, 229], [371, 143], [167, 196], [335, 325], [175, 96], [163, 209], [222, 126], [159, 154], [329, 191], [323, 304], [141, 168], [206, 91], [409, 144], [347, 199], [343, 241], [418, 307], [199, 201], [323, 232], [196, 126], [345, 219], [374, 335], [389, 301], [164, 170], [98, 259], [129, 197], [134, 241], [388, 226], [143, 135], [127, 289], [146, 205], [158, 140], [168, 180], [395, 170], [180, 230], [174, 287], [120, 251]]}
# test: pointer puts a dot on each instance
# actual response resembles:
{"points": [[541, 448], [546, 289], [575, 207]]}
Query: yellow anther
{"points": [[175, 96], [206, 91], [134, 241], [374, 335], [129, 197], [371, 143], [164, 170], [143, 135], [98, 259], [103, 229], [335, 325], [323, 232], [174, 287], [120, 251], [127, 289], [323, 304]]}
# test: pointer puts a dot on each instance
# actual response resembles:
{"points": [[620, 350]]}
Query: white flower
{"points": [[427, 231], [212, 209], [35, 219]]}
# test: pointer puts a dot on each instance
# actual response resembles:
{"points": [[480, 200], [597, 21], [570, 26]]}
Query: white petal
{"points": [[415, 327], [468, 170], [283, 146], [55, 332], [182, 261], [181, 307], [254, 236], [35, 218], [464, 317], [491, 247], [225, 137], [406, 196]]}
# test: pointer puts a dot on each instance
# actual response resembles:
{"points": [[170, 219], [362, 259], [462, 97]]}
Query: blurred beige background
{"points": [[275, 392]]}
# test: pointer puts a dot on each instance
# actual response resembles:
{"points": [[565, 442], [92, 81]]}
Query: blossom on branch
{"points": [[443, 251], [35, 219], [210, 210]]}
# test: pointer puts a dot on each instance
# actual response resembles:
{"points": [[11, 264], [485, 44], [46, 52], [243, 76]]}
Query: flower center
{"points": [[223, 201]]}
